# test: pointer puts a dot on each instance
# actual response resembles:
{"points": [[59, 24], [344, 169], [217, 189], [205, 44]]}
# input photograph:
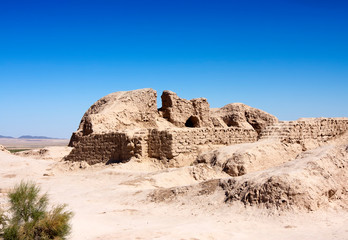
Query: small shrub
{"points": [[17, 150], [28, 218], [3, 220]]}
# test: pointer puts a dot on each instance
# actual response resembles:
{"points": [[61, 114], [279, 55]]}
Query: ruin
{"points": [[126, 125]]}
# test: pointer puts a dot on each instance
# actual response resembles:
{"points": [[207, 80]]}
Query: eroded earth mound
{"points": [[314, 179], [3, 149], [243, 116]]}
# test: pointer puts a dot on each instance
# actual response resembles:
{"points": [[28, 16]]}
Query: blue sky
{"points": [[289, 58]]}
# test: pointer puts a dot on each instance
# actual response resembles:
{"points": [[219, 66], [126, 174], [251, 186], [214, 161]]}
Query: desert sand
{"points": [[17, 143], [114, 202]]}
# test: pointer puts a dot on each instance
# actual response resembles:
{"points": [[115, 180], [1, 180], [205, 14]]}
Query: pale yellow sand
{"points": [[112, 203], [16, 143]]}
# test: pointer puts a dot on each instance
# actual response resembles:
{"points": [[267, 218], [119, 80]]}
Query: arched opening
{"points": [[231, 121], [192, 122]]}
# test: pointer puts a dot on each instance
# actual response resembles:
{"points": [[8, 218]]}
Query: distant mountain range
{"points": [[5, 136], [35, 137], [29, 137]]}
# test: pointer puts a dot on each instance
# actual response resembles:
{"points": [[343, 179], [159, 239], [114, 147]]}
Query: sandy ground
{"points": [[112, 202], [16, 143]]}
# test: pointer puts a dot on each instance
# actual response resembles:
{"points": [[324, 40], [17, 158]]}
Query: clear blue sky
{"points": [[289, 58]]}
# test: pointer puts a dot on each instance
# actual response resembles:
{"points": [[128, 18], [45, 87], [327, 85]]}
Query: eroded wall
{"points": [[321, 129], [186, 141], [170, 143], [182, 112], [154, 143], [107, 148]]}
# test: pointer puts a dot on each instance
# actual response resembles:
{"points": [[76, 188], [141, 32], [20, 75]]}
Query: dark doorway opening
{"points": [[192, 122]]}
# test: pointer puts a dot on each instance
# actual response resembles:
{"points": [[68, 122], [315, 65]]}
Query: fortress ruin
{"points": [[126, 125]]}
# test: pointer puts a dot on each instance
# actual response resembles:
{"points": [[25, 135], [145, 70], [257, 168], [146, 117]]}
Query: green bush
{"points": [[29, 219]]}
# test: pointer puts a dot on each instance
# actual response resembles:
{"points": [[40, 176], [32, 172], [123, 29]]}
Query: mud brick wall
{"points": [[299, 131], [106, 148], [154, 143], [160, 144], [169, 143], [178, 110], [140, 142], [186, 141]]}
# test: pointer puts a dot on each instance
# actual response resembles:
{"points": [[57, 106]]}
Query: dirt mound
{"points": [[240, 159], [241, 115], [237, 160], [47, 153], [3, 149], [173, 194], [119, 111], [314, 179], [174, 178]]}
